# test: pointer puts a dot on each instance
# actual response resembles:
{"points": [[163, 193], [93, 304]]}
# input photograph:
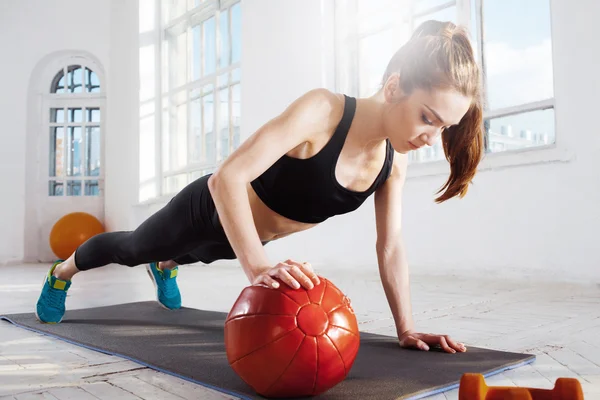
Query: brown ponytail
{"points": [[440, 55], [463, 145]]}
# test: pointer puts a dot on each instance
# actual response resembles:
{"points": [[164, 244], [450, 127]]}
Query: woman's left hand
{"points": [[422, 341]]}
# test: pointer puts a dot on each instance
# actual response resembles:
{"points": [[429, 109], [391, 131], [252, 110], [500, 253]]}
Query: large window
{"points": [[512, 41], [190, 70]]}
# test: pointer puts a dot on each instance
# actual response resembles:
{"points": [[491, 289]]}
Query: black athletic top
{"points": [[306, 190]]}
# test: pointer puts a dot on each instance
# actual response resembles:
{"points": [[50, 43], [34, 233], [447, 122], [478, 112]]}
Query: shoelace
{"points": [[56, 297], [169, 288]]}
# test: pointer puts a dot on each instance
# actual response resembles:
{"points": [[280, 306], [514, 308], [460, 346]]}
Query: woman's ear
{"points": [[391, 89]]}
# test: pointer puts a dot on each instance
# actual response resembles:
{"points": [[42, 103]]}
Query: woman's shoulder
{"points": [[321, 105]]}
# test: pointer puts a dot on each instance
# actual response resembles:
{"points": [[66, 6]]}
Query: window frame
{"points": [[163, 101]]}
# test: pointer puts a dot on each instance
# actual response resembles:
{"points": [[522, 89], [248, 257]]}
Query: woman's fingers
{"points": [[281, 272], [445, 346], [292, 273], [266, 280], [411, 341], [303, 273], [308, 270], [455, 345]]}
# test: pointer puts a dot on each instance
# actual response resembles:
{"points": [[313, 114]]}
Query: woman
{"points": [[323, 156]]}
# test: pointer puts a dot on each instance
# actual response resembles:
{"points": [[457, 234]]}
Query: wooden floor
{"points": [[560, 323]]}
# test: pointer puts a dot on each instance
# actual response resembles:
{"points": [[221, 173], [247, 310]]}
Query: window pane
{"points": [[148, 191], [74, 151], [535, 128], [375, 52], [447, 14], [166, 139], [55, 188], [147, 108], [424, 5], [175, 183], [373, 15], [208, 88], [91, 81], [474, 27], [175, 144], [224, 123], [236, 33], [518, 52], [196, 175], [75, 79], [178, 61], [225, 56], [57, 115], [366, 7], [235, 75], [147, 72], [223, 80], [173, 9], [92, 164], [75, 115], [196, 58], [91, 188], [209, 128], [210, 46], [58, 83], [165, 65], [57, 151], [196, 129], [236, 114], [73, 188], [92, 115], [181, 140], [147, 148], [147, 10]]}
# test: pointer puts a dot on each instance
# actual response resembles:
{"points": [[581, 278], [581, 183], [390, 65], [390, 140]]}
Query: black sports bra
{"points": [[306, 190]]}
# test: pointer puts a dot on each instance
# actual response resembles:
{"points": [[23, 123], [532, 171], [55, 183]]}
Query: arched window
{"points": [[75, 132], [78, 77]]}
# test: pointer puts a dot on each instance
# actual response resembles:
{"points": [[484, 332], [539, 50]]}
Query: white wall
{"points": [[122, 154], [31, 30]]}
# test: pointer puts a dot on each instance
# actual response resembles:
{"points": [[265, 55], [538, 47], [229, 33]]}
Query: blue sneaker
{"points": [[50, 307], [165, 282]]}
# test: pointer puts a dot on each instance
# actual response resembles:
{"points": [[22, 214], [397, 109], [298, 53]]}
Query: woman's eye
{"points": [[426, 120]]}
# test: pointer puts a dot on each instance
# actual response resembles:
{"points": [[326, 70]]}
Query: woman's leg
{"points": [[175, 230], [170, 232]]}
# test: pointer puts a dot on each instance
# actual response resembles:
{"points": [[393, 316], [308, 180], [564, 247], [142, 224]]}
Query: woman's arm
{"points": [[313, 113], [393, 266]]}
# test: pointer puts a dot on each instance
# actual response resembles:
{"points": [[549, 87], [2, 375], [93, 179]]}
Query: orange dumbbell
{"points": [[473, 387]]}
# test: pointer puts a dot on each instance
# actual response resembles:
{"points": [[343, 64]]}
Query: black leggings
{"points": [[187, 230]]}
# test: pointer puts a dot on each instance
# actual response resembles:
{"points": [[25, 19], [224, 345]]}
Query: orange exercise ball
{"points": [[72, 230], [292, 342]]}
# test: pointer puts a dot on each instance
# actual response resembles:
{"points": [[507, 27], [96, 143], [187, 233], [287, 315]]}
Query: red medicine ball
{"points": [[292, 342]]}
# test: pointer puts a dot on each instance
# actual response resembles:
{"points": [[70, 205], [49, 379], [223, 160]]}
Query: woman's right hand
{"points": [[293, 273]]}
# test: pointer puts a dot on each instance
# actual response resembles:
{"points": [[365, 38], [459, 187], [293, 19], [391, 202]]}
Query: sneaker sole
{"points": [[149, 271], [35, 311]]}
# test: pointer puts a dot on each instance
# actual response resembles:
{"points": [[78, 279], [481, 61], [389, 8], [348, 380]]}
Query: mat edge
{"points": [[206, 385]]}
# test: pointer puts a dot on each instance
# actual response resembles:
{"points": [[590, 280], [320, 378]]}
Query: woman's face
{"points": [[418, 119]]}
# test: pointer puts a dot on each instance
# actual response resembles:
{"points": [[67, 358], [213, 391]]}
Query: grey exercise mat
{"points": [[188, 343]]}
